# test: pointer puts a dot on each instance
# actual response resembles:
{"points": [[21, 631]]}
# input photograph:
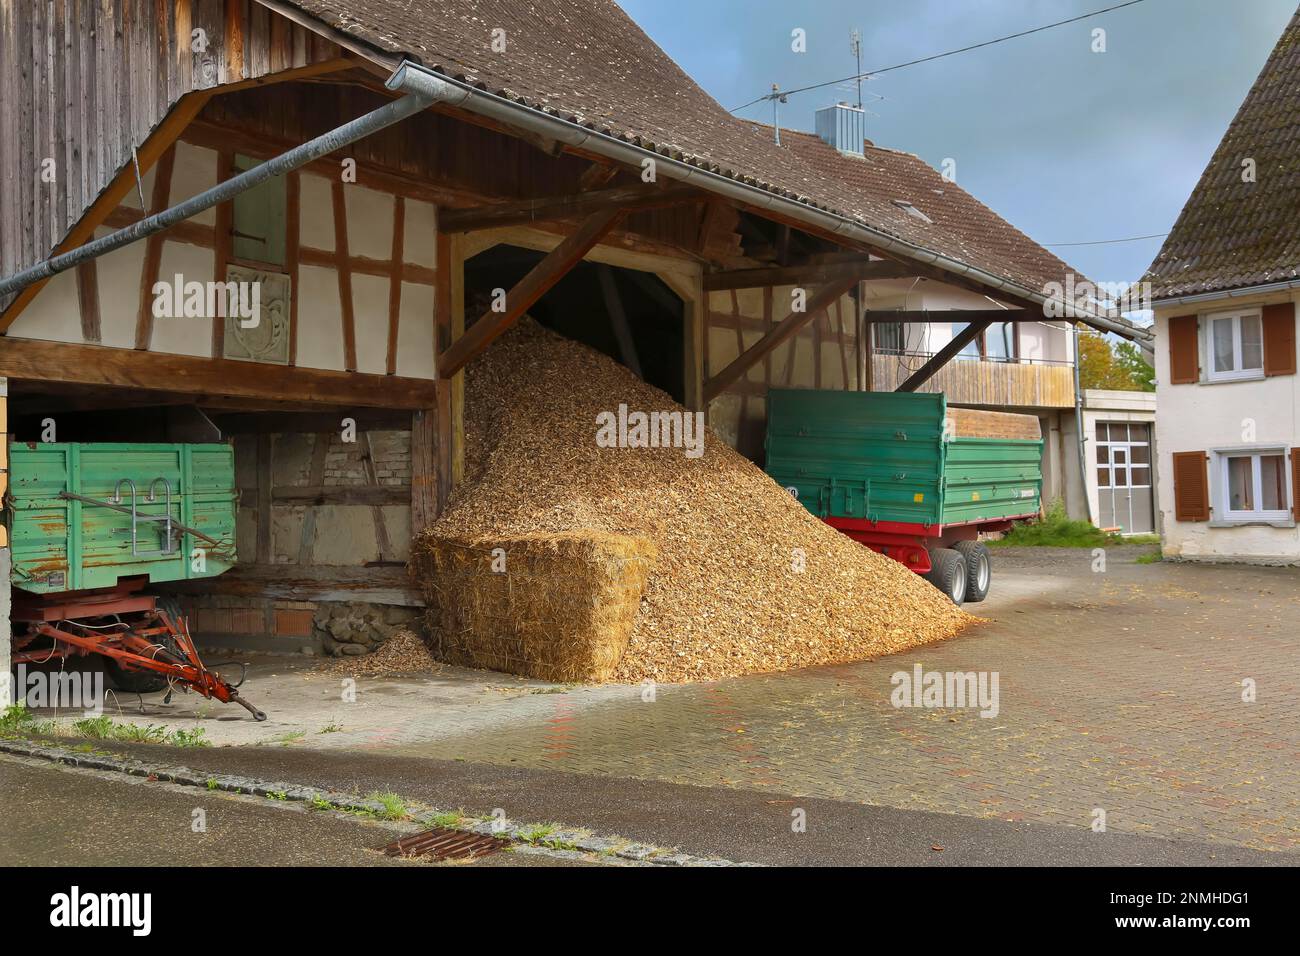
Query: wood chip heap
{"points": [[745, 579]]}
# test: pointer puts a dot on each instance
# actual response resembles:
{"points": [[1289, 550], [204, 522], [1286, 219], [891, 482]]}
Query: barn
{"points": [[398, 183]]}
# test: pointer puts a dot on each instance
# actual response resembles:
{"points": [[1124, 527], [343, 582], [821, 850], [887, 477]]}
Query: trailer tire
{"points": [[948, 573], [137, 681], [979, 569]]}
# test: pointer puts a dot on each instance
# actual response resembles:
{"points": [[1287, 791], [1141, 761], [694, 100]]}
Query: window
{"points": [[890, 337], [1000, 342], [1235, 346], [1254, 486]]}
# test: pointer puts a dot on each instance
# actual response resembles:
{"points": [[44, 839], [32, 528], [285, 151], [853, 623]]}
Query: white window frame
{"points": [[1223, 495], [1236, 373]]}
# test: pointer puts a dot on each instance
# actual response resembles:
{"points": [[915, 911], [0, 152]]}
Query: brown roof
{"points": [[588, 62], [1231, 233]]}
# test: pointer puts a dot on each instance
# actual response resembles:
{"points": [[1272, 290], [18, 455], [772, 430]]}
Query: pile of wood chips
{"points": [[725, 596], [403, 653]]}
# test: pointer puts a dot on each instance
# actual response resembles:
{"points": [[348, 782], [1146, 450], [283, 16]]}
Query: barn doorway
{"points": [[630, 316]]}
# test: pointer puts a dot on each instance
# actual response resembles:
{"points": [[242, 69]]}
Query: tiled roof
{"points": [[586, 61], [1231, 233]]}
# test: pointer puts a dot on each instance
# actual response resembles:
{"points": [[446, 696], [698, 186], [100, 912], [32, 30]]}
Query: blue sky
{"points": [[1067, 144]]}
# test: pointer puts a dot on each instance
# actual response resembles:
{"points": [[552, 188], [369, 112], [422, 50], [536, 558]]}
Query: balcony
{"points": [[968, 381]]}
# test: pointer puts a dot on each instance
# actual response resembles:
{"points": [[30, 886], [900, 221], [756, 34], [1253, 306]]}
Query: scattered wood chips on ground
{"points": [[403, 653], [724, 595]]}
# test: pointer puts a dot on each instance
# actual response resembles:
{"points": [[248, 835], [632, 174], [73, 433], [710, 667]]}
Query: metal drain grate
{"points": [[446, 845]]}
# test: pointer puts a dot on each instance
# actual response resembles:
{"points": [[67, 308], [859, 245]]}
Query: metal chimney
{"points": [[843, 126]]}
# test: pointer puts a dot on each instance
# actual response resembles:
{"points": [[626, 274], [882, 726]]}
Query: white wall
{"points": [[1206, 416], [55, 314]]}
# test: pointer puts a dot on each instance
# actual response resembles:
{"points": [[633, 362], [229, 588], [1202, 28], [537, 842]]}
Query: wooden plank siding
{"points": [[86, 83], [969, 382]]}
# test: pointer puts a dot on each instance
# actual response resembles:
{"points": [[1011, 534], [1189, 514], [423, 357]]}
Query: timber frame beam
{"points": [[543, 276], [813, 273], [961, 315], [574, 205], [945, 355], [781, 332], [156, 371]]}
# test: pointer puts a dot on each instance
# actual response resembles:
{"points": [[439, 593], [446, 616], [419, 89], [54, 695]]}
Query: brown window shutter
{"points": [[1279, 339], [1184, 350], [1191, 486], [1295, 483]]}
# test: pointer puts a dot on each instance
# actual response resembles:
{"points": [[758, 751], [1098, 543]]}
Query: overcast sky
{"points": [[1067, 144]]}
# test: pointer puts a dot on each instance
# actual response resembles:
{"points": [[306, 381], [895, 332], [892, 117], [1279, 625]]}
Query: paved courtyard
{"points": [[1120, 690]]}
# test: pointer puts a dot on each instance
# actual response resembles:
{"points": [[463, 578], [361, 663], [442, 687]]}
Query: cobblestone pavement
{"points": [[1119, 691]]}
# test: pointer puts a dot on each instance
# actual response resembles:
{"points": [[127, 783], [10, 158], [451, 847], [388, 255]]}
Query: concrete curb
{"points": [[559, 839]]}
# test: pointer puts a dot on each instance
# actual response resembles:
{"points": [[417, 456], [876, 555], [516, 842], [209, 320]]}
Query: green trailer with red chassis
{"points": [[906, 476]]}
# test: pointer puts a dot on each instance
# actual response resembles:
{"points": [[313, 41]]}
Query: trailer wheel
{"points": [[948, 573], [138, 681], [979, 569]]}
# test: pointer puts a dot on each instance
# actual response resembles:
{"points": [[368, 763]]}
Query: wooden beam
{"points": [[596, 176], [618, 319], [376, 511], [784, 330], [528, 290], [88, 299], [312, 495], [943, 356], [808, 273], [316, 476], [292, 255], [395, 281], [157, 371], [162, 185], [958, 315], [344, 269], [224, 236], [569, 206], [265, 539], [425, 506]]}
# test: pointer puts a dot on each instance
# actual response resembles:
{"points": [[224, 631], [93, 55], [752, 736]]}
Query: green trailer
{"points": [[91, 526], [907, 476], [84, 516]]}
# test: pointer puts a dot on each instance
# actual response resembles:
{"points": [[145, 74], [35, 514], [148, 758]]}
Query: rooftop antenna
{"points": [[777, 97], [855, 45]]}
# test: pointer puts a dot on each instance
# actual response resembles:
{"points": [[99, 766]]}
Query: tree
{"points": [[1121, 367], [1129, 357]]}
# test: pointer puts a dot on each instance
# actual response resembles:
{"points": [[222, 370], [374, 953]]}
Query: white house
{"points": [[1226, 286]]}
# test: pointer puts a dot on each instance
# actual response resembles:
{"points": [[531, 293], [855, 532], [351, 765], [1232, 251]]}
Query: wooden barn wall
{"points": [[822, 355], [85, 81]]}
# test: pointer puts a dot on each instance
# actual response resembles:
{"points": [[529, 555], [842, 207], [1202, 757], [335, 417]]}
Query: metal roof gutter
{"points": [[1265, 289], [419, 96], [410, 75]]}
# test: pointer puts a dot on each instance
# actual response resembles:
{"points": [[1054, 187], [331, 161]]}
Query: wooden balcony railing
{"points": [[973, 382]]}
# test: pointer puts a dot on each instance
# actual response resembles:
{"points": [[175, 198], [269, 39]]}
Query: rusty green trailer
{"points": [[83, 516]]}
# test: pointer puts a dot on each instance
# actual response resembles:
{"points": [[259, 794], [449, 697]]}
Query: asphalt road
{"points": [[60, 817], [736, 824]]}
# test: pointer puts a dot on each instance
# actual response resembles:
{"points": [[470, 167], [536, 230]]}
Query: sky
{"points": [[1067, 144]]}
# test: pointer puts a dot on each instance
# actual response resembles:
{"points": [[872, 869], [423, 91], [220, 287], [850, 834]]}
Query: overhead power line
{"points": [[1108, 242], [938, 56]]}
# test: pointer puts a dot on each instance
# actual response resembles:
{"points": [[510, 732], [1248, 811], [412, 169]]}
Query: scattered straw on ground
{"points": [[724, 597]]}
